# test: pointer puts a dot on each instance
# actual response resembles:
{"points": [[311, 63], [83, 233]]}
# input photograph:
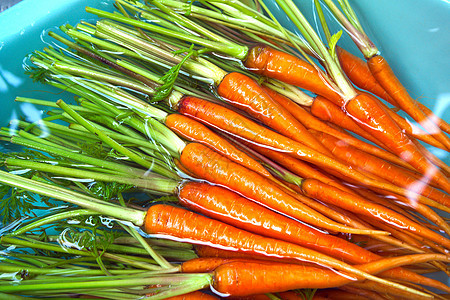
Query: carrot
{"points": [[195, 131], [298, 167], [326, 110], [245, 93], [374, 165], [233, 123], [213, 167], [312, 122], [176, 223], [413, 131], [229, 207], [386, 78], [205, 265], [442, 124], [272, 63], [358, 72], [247, 278], [193, 296], [374, 119], [363, 256], [318, 190]]}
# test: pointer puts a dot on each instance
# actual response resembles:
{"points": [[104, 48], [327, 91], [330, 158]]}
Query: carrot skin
{"points": [[359, 73], [312, 122], [176, 223], [213, 167], [386, 78], [247, 278], [272, 63], [374, 165], [316, 189], [327, 111], [228, 207], [195, 131], [374, 119]]}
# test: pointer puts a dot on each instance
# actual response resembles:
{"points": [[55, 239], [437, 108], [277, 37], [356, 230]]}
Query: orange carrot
{"points": [[229, 207], [374, 119], [298, 167], [195, 131], [413, 131], [205, 264], [213, 167], [312, 122], [318, 190], [358, 72], [276, 64], [386, 78], [176, 223], [245, 93], [374, 165], [444, 126], [235, 124], [247, 278], [326, 110]]}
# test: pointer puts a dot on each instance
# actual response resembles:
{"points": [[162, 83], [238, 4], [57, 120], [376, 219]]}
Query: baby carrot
{"points": [[213, 167], [229, 207], [245, 93], [318, 190], [247, 278], [374, 165], [177, 223], [236, 124], [312, 122], [195, 131], [386, 78], [270, 62]]}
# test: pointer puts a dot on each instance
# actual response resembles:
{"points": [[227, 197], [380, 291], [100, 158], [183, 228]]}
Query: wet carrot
{"points": [[374, 165], [298, 167], [318, 190], [247, 278], [374, 119], [327, 111], [205, 264], [358, 72], [246, 94], [386, 78], [195, 131], [228, 207], [177, 223], [269, 62], [312, 122], [235, 124], [213, 167]]}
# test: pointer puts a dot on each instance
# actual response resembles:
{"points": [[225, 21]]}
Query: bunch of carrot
{"points": [[283, 185]]}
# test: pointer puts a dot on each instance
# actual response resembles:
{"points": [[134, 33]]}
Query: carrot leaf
{"points": [[333, 42], [171, 76]]}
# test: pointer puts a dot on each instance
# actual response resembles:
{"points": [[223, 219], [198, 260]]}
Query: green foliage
{"points": [[171, 76]]}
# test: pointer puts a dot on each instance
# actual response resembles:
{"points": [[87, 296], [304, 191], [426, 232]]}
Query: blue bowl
{"points": [[412, 34]]}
